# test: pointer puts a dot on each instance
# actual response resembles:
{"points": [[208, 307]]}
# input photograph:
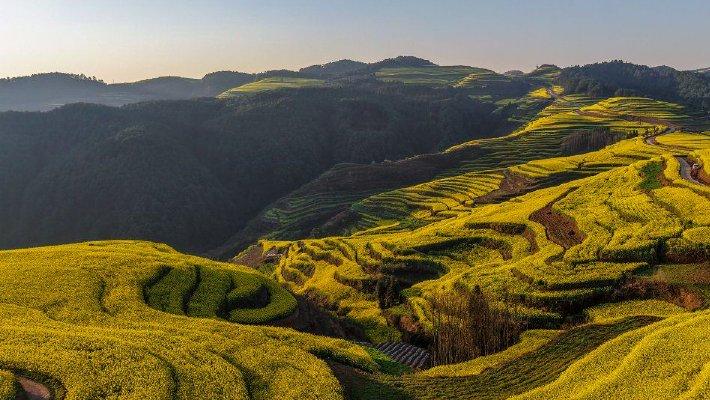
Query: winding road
{"points": [[685, 165], [685, 170]]}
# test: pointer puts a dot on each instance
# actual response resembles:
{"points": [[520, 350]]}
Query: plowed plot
{"points": [[33, 389], [560, 228]]}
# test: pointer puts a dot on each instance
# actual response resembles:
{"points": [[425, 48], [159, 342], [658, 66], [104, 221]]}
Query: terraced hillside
{"points": [[336, 203], [616, 238], [429, 75], [548, 236], [584, 232], [83, 319], [479, 82], [539, 139]]}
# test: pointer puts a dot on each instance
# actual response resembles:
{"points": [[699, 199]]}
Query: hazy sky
{"points": [[133, 39]]}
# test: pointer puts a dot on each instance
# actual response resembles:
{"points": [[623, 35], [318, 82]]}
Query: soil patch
{"points": [[33, 389], [512, 185], [560, 228]]}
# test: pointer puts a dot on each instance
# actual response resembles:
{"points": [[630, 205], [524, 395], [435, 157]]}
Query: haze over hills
{"points": [[397, 230], [42, 92]]}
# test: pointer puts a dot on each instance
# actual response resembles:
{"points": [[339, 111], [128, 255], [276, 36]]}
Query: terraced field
{"points": [[542, 138], [540, 365], [93, 334], [433, 75], [548, 236], [478, 82], [666, 360], [273, 83], [539, 138]]}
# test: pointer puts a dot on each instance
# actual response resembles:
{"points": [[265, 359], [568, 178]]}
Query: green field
{"points": [[434, 75], [273, 83]]}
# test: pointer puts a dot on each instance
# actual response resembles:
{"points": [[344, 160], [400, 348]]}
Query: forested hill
{"points": [[191, 173], [46, 91], [617, 78], [41, 92]]}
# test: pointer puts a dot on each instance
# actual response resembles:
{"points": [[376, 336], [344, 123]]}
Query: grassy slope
{"points": [[511, 377], [273, 83], [76, 313], [434, 75], [9, 387], [666, 360]]}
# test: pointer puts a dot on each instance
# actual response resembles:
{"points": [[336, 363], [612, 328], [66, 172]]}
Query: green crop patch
{"points": [[204, 292], [273, 83], [651, 173]]}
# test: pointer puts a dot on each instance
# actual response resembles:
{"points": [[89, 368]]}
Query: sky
{"points": [[128, 40]]}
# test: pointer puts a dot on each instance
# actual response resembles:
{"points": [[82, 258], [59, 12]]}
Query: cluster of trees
{"points": [[618, 78], [50, 75], [191, 173], [467, 325], [586, 140]]}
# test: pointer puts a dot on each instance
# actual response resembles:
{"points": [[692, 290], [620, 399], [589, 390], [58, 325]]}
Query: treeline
{"points": [[586, 140], [191, 173], [618, 78]]}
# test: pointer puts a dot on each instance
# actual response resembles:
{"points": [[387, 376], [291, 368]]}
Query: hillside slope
{"points": [[191, 173], [571, 256], [550, 236], [81, 323]]}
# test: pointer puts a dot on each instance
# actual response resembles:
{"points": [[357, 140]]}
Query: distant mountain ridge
{"points": [[42, 92], [45, 91]]}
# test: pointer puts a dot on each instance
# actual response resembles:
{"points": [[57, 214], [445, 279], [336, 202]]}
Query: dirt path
{"points": [[682, 160], [33, 389], [651, 140], [552, 93], [560, 228], [685, 170]]}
